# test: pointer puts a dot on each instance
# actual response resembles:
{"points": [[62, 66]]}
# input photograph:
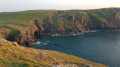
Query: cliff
{"points": [[25, 26], [14, 55]]}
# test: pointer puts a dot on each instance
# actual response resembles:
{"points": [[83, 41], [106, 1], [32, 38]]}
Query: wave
{"points": [[76, 33], [38, 42], [42, 42]]}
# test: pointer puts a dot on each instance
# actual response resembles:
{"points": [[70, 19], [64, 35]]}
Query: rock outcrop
{"points": [[4, 33], [61, 22]]}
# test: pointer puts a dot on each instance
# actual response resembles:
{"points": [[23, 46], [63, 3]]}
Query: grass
{"points": [[18, 56], [14, 55], [21, 20]]}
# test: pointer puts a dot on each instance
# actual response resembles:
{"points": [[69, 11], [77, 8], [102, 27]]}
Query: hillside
{"points": [[14, 55], [25, 26]]}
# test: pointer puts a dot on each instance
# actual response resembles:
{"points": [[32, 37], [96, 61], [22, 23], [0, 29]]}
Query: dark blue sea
{"points": [[102, 47]]}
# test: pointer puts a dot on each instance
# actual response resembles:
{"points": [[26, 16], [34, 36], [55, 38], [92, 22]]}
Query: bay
{"points": [[101, 47]]}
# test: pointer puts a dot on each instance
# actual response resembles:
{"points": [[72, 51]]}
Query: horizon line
{"points": [[61, 9]]}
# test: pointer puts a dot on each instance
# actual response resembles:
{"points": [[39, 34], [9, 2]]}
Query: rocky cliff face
{"points": [[73, 22], [4, 33], [60, 24], [65, 23], [27, 37], [23, 37]]}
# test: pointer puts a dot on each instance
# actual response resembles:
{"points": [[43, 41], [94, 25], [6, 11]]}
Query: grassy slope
{"points": [[103, 15], [13, 55], [21, 20]]}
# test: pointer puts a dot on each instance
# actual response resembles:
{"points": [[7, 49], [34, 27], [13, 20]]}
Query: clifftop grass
{"points": [[13, 55], [21, 20]]}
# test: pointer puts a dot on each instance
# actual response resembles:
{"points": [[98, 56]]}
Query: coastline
{"points": [[76, 33]]}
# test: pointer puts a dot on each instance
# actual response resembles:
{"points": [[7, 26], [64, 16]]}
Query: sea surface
{"points": [[102, 47]]}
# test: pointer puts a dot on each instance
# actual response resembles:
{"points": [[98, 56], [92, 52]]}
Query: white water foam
{"points": [[75, 34]]}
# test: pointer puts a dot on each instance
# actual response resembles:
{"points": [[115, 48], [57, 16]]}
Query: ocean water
{"points": [[102, 47]]}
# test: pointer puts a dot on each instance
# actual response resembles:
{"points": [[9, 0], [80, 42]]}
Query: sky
{"points": [[20, 5]]}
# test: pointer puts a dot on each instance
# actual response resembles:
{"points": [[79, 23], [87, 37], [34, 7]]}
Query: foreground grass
{"points": [[14, 55]]}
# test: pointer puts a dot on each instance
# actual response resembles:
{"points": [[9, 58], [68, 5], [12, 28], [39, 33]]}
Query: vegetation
{"points": [[21, 20], [25, 26], [13, 55]]}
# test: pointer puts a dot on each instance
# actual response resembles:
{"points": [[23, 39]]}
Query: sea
{"points": [[101, 46]]}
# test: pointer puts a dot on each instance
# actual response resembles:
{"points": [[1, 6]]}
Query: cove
{"points": [[102, 47]]}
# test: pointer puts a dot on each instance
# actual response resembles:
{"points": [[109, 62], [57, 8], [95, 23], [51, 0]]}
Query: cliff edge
{"points": [[25, 26]]}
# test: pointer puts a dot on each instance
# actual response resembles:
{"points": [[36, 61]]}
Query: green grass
{"points": [[18, 56], [96, 19], [21, 20]]}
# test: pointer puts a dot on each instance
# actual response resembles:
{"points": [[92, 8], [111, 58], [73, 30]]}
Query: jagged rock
{"points": [[64, 23]]}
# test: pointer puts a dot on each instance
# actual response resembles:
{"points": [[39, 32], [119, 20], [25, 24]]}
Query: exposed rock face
{"points": [[27, 37], [66, 23], [73, 24], [4, 32]]}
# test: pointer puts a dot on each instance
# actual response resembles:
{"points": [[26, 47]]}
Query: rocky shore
{"points": [[55, 23]]}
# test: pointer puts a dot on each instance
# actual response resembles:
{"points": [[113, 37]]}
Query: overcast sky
{"points": [[20, 5]]}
